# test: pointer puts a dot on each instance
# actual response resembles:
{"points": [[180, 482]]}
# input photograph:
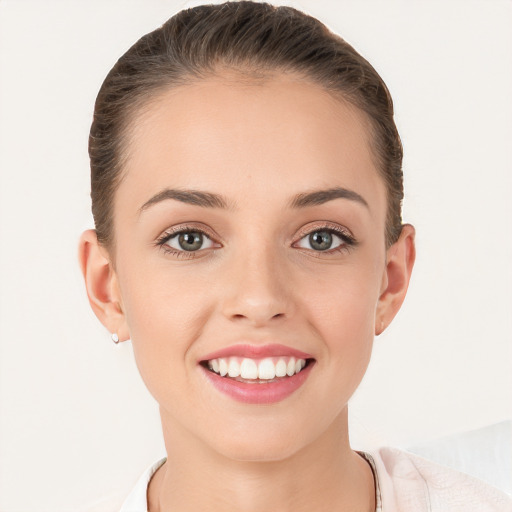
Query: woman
{"points": [[246, 190]]}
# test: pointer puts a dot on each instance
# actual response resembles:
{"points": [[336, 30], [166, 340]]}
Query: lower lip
{"points": [[256, 393]]}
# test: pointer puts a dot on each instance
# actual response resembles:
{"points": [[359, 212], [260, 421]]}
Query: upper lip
{"points": [[256, 352]]}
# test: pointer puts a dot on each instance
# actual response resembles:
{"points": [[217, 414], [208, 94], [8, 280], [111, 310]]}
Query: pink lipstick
{"points": [[257, 374]]}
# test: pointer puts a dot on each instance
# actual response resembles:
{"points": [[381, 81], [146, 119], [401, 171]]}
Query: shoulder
{"points": [[107, 504], [136, 501], [409, 482]]}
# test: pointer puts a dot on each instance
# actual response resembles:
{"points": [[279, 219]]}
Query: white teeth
{"points": [[281, 368], [223, 367], [234, 367], [266, 369], [250, 369], [290, 367]]}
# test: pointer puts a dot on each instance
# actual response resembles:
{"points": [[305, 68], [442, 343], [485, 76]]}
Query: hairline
{"points": [[243, 73]]}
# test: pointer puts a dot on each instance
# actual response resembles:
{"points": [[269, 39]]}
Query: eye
{"points": [[189, 241], [320, 241], [326, 240]]}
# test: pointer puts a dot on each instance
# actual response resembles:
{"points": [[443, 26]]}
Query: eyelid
{"points": [[186, 227], [342, 231], [173, 231]]}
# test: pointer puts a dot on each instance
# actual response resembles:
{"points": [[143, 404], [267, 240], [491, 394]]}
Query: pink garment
{"points": [[404, 483], [409, 483]]}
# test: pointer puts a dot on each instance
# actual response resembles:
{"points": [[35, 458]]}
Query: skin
{"points": [[259, 145]]}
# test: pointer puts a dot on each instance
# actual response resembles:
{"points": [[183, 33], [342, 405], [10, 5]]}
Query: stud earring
{"points": [[115, 337]]}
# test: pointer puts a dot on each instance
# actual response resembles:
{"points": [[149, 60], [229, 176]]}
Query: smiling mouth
{"points": [[256, 371]]}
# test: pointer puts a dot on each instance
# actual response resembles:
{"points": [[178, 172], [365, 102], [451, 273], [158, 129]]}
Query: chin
{"points": [[275, 451], [263, 441]]}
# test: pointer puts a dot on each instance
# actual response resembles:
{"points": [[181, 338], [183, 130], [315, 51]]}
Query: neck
{"points": [[324, 476]]}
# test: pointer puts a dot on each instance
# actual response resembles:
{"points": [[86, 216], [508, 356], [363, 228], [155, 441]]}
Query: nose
{"points": [[257, 288]]}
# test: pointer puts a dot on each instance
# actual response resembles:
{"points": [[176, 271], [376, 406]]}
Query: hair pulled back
{"points": [[248, 36]]}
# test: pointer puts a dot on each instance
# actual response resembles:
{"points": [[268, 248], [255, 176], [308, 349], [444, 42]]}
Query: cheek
{"points": [[164, 318], [342, 308], [346, 296], [345, 317], [160, 297]]}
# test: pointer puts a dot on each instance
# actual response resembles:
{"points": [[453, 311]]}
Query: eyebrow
{"points": [[194, 197], [318, 197], [211, 200]]}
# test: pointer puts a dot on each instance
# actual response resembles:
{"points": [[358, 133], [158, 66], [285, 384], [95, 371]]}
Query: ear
{"points": [[395, 281], [102, 284]]}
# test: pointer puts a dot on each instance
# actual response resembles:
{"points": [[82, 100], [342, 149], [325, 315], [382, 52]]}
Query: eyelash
{"points": [[348, 240], [346, 237], [161, 242]]}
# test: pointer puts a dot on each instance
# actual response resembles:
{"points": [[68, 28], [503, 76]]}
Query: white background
{"points": [[76, 422]]}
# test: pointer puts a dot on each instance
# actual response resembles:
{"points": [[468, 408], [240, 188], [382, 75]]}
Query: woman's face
{"points": [[249, 230]]}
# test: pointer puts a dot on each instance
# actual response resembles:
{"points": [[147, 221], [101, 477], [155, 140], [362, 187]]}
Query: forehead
{"points": [[276, 132]]}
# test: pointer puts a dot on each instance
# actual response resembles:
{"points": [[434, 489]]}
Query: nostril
{"points": [[256, 310], [239, 316]]}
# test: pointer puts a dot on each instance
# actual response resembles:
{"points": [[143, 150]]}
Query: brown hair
{"points": [[247, 36]]}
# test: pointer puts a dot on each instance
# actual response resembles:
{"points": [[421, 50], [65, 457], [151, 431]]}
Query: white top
{"points": [[404, 483]]}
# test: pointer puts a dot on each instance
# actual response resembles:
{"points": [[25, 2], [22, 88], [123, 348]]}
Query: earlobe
{"points": [[399, 263], [101, 284]]}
